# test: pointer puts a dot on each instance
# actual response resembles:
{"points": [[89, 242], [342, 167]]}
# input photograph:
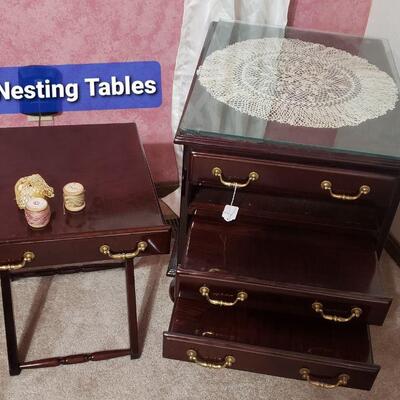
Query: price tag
{"points": [[230, 211]]}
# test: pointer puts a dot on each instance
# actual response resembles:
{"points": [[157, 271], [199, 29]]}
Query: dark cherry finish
{"points": [[271, 343], [107, 159], [131, 301], [286, 210], [383, 175], [65, 269], [121, 210], [326, 250], [75, 359], [9, 324], [293, 179], [317, 266], [292, 243], [76, 249]]}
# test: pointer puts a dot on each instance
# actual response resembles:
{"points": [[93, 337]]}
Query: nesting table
{"points": [[121, 220], [290, 285]]}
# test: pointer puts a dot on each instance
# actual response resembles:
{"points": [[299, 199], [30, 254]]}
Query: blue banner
{"points": [[75, 87]]}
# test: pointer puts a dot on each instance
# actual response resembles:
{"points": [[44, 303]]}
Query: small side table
{"points": [[121, 221]]}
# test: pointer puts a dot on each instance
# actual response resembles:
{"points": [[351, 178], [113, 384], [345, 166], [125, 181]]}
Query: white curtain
{"points": [[197, 16]]}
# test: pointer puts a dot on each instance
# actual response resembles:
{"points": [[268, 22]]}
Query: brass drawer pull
{"points": [[28, 256], [228, 362], [205, 291], [105, 249], [253, 176], [343, 379], [327, 185], [319, 308]]}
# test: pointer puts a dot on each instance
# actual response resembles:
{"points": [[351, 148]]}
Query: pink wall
{"points": [[84, 31], [346, 16]]}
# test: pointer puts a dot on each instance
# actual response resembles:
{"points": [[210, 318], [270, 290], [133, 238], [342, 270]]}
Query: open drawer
{"points": [[303, 212], [324, 354], [321, 275]]}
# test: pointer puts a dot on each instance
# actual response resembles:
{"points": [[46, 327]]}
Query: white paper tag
{"points": [[230, 212]]}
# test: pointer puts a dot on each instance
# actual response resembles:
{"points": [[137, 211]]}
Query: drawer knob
{"points": [[327, 185], [305, 374], [253, 176], [228, 362], [319, 308], [205, 292], [105, 249], [27, 257]]}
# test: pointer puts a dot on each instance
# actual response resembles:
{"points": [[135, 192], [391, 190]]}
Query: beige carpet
{"points": [[84, 312]]}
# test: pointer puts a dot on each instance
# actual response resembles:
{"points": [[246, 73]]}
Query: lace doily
{"points": [[298, 83]]}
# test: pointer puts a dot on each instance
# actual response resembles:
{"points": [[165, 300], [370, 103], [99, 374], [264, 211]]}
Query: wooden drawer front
{"points": [[81, 250], [279, 298], [268, 346], [295, 179], [284, 268], [264, 361]]}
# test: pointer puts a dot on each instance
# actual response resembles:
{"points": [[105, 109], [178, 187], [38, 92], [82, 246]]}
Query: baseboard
{"points": [[392, 246]]}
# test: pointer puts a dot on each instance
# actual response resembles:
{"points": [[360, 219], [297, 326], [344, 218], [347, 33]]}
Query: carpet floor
{"points": [[85, 312]]}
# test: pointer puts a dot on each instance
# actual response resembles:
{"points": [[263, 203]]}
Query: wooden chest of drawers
{"points": [[291, 285], [294, 264]]}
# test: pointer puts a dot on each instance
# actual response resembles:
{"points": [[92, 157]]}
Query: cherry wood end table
{"points": [[121, 220], [282, 225]]}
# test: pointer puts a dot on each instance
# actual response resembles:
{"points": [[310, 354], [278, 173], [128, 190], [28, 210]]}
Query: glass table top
{"points": [[268, 84]]}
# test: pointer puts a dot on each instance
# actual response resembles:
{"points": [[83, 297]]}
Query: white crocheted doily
{"points": [[298, 83]]}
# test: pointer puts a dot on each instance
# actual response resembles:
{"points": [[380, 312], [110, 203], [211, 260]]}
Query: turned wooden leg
{"points": [[132, 315], [9, 323]]}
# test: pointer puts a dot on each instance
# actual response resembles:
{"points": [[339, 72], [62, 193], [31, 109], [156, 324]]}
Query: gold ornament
{"points": [[31, 186]]}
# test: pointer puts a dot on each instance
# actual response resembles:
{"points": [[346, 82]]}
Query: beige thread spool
{"points": [[37, 212], [74, 196]]}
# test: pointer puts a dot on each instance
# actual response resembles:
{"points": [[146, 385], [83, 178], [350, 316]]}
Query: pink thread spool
{"points": [[37, 212]]}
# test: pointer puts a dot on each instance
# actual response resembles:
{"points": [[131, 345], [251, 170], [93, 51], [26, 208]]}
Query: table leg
{"points": [[132, 315], [9, 323], [12, 350]]}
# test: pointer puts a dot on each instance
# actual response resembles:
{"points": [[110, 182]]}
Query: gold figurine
{"points": [[29, 187]]}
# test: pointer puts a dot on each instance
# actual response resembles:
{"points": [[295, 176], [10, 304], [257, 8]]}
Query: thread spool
{"points": [[74, 196], [37, 212]]}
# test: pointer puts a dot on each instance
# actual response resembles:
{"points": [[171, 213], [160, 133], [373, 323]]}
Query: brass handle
{"points": [[28, 256], [343, 379], [205, 291], [363, 190], [105, 249], [319, 308], [253, 176], [228, 362]]}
